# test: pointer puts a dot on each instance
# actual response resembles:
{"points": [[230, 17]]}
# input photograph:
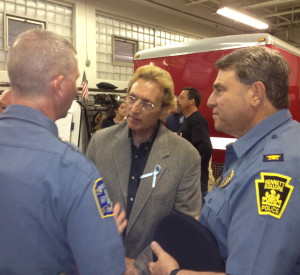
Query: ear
{"points": [[57, 85], [258, 93], [192, 102], [164, 113]]}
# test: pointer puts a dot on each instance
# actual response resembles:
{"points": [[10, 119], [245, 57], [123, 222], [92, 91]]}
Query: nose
{"points": [[136, 107], [211, 101]]}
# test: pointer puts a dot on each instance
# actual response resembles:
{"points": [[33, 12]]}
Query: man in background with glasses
{"points": [[148, 169]]}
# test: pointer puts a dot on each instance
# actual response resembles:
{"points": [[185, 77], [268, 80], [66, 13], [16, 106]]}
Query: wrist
{"points": [[174, 271]]}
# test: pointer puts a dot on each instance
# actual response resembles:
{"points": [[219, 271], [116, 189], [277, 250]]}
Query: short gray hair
{"points": [[36, 58], [258, 63]]}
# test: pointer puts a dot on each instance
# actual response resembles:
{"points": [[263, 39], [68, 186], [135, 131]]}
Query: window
{"points": [[112, 65], [124, 50], [14, 25]]}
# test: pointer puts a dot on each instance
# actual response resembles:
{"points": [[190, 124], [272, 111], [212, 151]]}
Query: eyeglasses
{"points": [[146, 105]]}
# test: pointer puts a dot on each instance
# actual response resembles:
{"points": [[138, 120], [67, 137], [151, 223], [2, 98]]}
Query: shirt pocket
{"points": [[215, 201]]}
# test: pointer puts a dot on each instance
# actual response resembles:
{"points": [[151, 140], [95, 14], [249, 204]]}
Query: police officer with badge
{"points": [[55, 213], [253, 213]]}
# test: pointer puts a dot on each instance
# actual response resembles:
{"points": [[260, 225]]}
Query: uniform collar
{"points": [[247, 141], [21, 112]]}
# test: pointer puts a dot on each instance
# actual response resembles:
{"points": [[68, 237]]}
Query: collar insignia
{"points": [[273, 157]]}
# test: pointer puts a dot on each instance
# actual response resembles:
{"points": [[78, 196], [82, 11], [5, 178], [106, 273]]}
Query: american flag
{"points": [[84, 86]]}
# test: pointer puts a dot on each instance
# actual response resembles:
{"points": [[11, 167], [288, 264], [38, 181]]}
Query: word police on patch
{"points": [[273, 193], [102, 199]]}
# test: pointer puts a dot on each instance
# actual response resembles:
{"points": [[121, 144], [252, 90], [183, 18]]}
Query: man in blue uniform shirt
{"points": [[55, 214], [253, 212]]}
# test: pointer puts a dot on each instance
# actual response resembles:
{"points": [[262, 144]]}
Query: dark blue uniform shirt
{"points": [[254, 211], [51, 216]]}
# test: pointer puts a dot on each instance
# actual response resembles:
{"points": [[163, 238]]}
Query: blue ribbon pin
{"points": [[154, 173]]}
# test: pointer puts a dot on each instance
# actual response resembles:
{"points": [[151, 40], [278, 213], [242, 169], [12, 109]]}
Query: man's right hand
{"points": [[120, 217], [165, 263]]}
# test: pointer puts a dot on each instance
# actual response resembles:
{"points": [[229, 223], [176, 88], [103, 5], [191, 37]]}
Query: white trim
{"points": [[220, 143], [216, 44]]}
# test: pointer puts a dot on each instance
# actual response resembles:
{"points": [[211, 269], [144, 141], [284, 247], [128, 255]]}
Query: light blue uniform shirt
{"points": [[49, 219], [254, 213]]}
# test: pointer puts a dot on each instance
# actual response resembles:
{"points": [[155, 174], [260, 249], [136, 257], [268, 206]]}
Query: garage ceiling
{"points": [[283, 16], [280, 14]]}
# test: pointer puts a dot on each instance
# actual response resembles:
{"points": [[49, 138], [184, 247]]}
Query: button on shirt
{"points": [[49, 220], [139, 157], [253, 242]]}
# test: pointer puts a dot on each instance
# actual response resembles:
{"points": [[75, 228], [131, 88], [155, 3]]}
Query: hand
{"points": [[165, 263], [130, 268], [120, 217]]}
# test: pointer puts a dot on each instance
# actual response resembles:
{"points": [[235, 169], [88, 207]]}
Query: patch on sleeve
{"points": [[273, 157], [102, 199], [273, 193]]}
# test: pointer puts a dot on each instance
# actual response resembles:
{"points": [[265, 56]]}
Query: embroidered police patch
{"points": [[273, 157], [273, 193], [102, 199]]}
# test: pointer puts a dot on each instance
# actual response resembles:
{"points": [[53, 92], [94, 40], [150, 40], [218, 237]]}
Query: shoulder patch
{"points": [[273, 157], [102, 199], [272, 194]]}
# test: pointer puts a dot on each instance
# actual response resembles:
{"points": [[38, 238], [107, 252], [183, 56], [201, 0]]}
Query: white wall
{"points": [[130, 10]]}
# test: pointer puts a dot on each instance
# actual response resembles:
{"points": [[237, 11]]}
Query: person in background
{"points": [[253, 213], [115, 115], [150, 171], [195, 130], [5, 100], [175, 119], [55, 212]]}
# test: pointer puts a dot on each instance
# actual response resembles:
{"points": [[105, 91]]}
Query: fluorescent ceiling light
{"points": [[245, 19]]}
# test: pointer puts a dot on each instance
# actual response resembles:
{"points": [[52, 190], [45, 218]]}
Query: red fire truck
{"points": [[192, 64]]}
